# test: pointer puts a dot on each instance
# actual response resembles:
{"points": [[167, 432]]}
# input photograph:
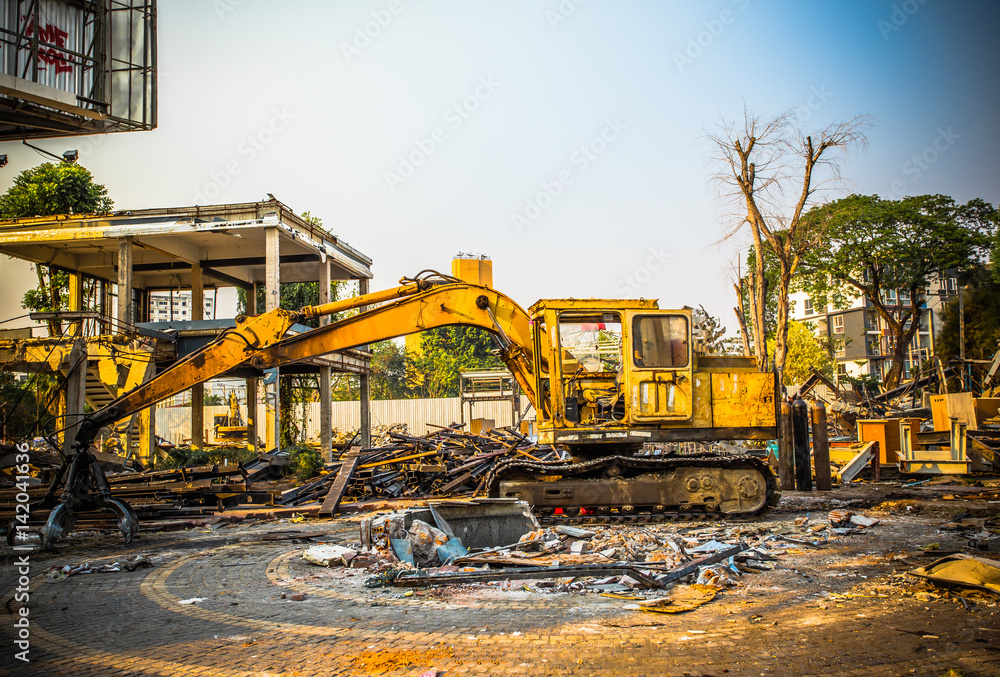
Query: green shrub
{"points": [[304, 462]]}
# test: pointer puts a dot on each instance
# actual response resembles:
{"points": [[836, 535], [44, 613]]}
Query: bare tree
{"points": [[770, 171]]}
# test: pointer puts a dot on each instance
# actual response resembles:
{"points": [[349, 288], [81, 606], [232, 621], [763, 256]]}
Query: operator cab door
{"points": [[658, 370]]}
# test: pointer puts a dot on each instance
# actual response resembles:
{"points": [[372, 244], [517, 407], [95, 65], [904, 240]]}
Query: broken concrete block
{"points": [[329, 555], [424, 541], [863, 521], [574, 532]]}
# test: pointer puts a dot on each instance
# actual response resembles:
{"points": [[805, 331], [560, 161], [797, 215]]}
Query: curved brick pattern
{"points": [[133, 623]]}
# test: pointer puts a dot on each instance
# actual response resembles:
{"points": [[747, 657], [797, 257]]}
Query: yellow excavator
{"points": [[607, 378]]}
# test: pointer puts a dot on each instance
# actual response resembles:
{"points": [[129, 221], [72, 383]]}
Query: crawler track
{"points": [[639, 490]]}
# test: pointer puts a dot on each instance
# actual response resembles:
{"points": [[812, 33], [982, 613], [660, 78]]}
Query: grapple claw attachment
{"points": [[128, 522], [60, 522], [86, 490]]}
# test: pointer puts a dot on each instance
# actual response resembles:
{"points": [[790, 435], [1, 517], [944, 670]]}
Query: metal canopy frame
{"points": [[72, 67]]}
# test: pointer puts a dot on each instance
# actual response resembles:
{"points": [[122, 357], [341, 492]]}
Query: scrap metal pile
{"points": [[442, 463], [175, 493]]}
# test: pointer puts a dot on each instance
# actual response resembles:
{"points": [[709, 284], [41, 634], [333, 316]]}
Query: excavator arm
{"points": [[260, 340], [448, 304], [417, 305]]}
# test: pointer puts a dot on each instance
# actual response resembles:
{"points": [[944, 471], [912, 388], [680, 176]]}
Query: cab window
{"points": [[590, 343], [660, 341]]}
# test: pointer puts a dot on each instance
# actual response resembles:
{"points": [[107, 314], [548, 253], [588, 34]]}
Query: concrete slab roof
{"points": [[227, 241]]}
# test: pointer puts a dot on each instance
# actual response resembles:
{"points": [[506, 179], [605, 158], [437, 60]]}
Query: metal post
{"points": [[821, 447], [800, 440], [786, 451]]}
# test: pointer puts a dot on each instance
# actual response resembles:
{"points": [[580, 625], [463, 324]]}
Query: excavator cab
{"points": [[612, 363], [623, 373]]}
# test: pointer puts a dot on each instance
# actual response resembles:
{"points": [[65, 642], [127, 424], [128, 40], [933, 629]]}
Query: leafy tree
{"points": [[47, 190], [872, 246], [50, 189], [388, 377], [982, 324], [806, 351], [761, 162], [18, 407], [445, 353]]}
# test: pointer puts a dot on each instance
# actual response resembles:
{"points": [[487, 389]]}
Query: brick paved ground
{"points": [[778, 623]]}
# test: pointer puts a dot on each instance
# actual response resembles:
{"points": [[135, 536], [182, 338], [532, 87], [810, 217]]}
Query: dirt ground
{"points": [[238, 599]]}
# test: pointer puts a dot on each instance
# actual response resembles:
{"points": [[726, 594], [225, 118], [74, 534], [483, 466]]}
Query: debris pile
{"points": [[442, 463], [175, 493], [660, 568]]}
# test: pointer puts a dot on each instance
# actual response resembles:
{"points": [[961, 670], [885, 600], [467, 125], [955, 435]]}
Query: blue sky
{"points": [[566, 140]]}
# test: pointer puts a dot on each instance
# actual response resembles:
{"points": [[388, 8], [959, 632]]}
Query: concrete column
{"points": [[75, 301], [252, 415], [365, 386], [198, 391], [272, 269], [147, 430], [197, 294], [125, 319], [252, 383], [325, 373], [146, 453], [74, 396], [272, 299], [198, 417]]}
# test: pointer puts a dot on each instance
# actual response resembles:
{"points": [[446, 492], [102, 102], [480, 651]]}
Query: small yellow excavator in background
{"points": [[605, 378], [231, 427]]}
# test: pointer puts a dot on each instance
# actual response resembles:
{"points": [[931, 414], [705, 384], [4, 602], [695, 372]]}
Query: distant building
{"points": [[162, 310], [861, 342]]}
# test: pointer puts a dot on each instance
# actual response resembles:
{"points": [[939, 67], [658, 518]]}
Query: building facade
{"points": [[176, 306], [861, 342]]}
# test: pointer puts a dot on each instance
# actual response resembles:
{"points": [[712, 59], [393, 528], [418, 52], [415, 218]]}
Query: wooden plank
{"points": [[339, 486]]}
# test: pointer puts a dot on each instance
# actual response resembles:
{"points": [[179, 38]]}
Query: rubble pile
{"points": [[446, 462], [660, 568]]}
